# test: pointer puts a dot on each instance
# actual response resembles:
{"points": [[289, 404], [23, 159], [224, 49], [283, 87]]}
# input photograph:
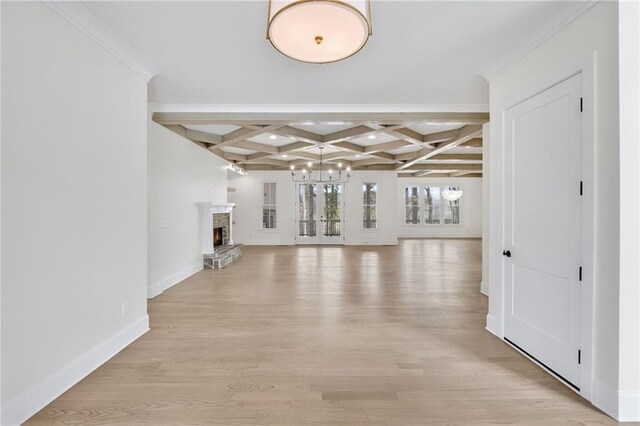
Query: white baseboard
{"points": [[269, 243], [622, 406], [493, 326], [363, 242], [34, 399], [605, 398], [629, 407], [484, 288], [173, 279]]}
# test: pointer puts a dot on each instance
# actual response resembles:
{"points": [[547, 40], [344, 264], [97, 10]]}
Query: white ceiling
{"points": [[421, 52]]}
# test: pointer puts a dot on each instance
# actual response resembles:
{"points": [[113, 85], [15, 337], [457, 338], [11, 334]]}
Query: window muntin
{"points": [[412, 205], [428, 203], [369, 200], [432, 205], [451, 215], [269, 205], [307, 210]]}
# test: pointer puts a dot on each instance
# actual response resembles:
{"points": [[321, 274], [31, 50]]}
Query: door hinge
{"points": [[581, 187], [579, 356], [580, 274], [580, 104]]}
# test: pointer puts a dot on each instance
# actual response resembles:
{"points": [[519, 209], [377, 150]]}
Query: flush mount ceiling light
{"points": [[318, 31]]}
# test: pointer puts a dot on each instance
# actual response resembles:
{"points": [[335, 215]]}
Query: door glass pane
{"points": [[412, 205], [332, 213], [307, 210], [452, 209], [432, 205]]}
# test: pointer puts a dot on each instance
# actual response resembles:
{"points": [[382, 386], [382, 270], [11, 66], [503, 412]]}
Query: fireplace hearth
{"points": [[218, 248]]}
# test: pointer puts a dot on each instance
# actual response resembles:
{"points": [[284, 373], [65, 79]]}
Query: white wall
{"points": [[181, 174], [486, 246], [564, 53], [470, 209], [387, 219], [629, 372], [74, 240], [248, 211]]}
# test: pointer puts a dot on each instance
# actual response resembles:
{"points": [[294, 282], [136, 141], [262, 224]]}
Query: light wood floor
{"points": [[324, 335]]}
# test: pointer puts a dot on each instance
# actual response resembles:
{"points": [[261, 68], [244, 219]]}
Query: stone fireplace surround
{"points": [[218, 215], [221, 221]]}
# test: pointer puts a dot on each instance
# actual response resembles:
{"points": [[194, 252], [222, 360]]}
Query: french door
{"points": [[543, 158], [319, 213]]}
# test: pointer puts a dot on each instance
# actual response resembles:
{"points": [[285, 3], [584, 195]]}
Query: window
{"points": [[269, 205], [369, 192], [451, 215], [430, 204], [412, 205]]}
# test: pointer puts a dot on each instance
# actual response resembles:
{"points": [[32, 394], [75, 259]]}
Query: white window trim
{"points": [[275, 206], [376, 229], [423, 208], [405, 205]]}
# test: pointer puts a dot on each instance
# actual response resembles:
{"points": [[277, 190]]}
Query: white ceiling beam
{"points": [[283, 119], [232, 156], [299, 134], [349, 146], [386, 146], [465, 134], [199, 136], [241, 134], [454, 166], [456, 157], [256, 146], [462, 173], [294, 146]]}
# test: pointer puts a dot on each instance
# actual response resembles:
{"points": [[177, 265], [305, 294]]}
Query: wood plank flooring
{"points": [[324, 336]]}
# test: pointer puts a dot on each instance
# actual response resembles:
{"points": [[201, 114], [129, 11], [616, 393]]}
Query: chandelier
{"points": [[309, 175], [451, 194], [319, 31]]}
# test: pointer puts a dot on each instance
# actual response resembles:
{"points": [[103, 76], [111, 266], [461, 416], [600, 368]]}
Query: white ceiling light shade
{"points": [[451, 194], [318, 31]]}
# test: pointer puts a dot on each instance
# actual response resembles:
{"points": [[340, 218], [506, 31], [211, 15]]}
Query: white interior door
{"points": [[543, 158], [320, 214]]}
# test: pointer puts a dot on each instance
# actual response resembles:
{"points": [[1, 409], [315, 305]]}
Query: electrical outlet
{"points": [[164, 224], [125, 309]]}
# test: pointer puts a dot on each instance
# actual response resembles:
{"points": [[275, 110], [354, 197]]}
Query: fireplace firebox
{"points": [[217, 237]]}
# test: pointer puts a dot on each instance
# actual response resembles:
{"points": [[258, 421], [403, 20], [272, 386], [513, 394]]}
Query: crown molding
{"points": [[317, 108], [507, 61], [87, 23]]}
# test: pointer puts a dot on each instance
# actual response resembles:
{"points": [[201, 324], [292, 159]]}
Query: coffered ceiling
{"points": [[414, 145]]}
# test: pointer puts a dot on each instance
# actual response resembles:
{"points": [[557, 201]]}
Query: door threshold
{"points": [[543, 365]]}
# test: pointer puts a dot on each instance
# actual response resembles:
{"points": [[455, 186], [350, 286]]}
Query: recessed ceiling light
{"points": [[372, 136], [273, 137]]}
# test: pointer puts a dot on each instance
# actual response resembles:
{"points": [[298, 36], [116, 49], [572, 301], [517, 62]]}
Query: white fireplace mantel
{"points": [[206, 211]]}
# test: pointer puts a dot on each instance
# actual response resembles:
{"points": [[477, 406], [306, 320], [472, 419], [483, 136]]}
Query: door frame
{"points": [[495, 318], [319, 239]]}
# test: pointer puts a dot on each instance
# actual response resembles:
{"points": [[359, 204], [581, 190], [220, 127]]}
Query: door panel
{"points": [[307, 214], [320, 214], [542, 227], [332, 199]]}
